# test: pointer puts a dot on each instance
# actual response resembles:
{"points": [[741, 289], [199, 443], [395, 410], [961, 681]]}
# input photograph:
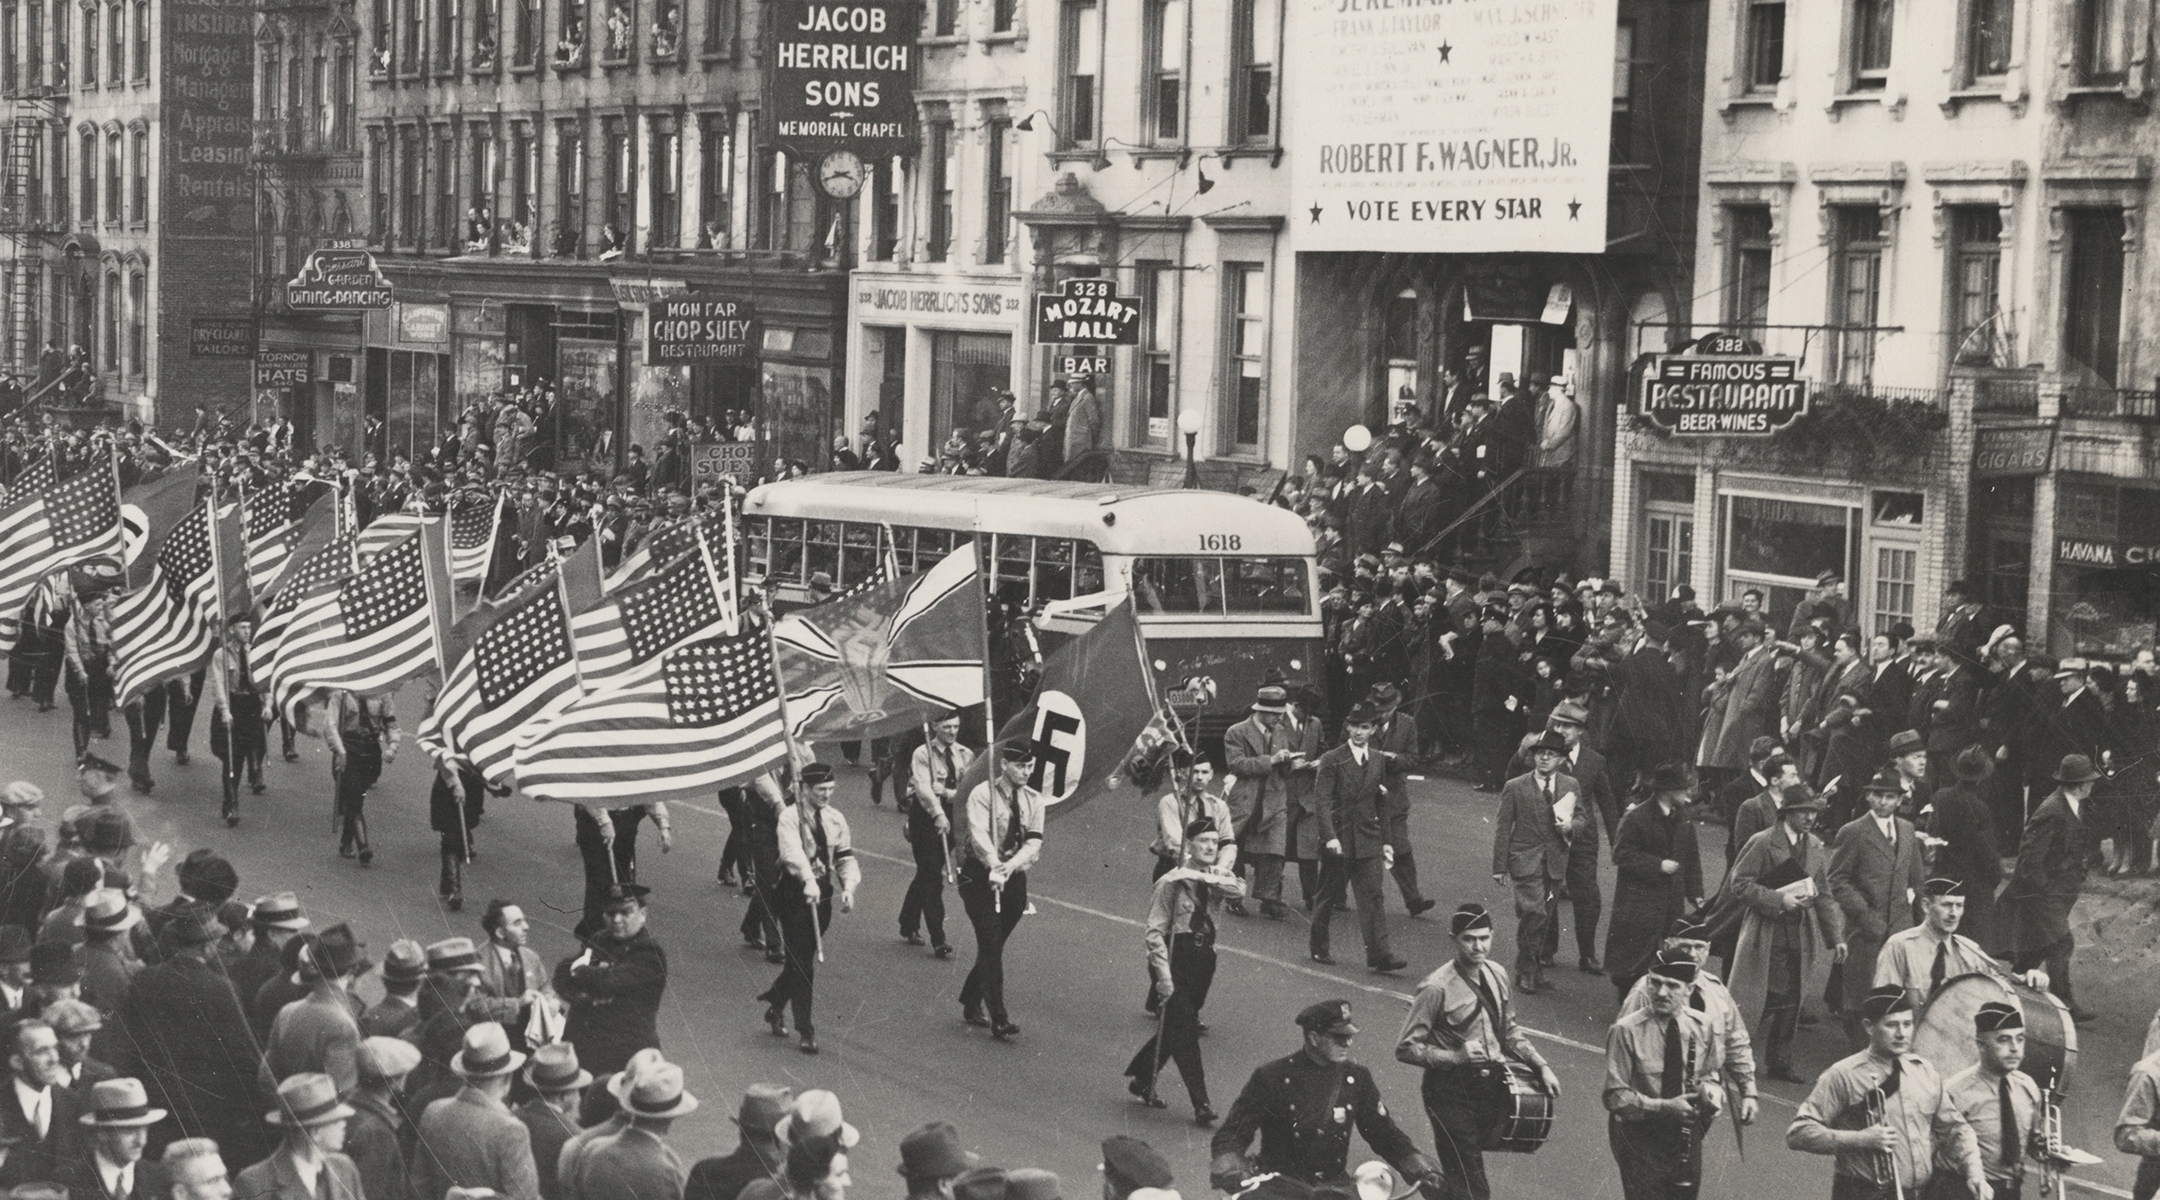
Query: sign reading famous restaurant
{"points": [[1721, 396]]}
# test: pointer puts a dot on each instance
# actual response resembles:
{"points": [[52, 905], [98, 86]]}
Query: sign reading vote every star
{"points": [[1450, 126]]}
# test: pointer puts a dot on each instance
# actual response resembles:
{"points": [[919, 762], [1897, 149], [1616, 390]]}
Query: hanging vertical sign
{"points": [[842, 77]]}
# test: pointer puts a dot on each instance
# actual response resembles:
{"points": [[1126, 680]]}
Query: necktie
{"points": [[1203, 925], [1695, 1001], [1488, 1003], [1890, 1083], [1013, 832], [40, 1114], [1669, 1086], [2012, 1151], [945, 752], [1941, 967]]}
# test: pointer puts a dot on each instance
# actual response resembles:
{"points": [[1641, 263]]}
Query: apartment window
{"points": [[1082, 57], [1897, 579], [10, 63], [526, 37], [34, 44], [1987, 39], [772, 202], [480, 191], [1001, 15], [2103, 42], [116, 42], [1747, 271], [1871, 29], [60, 192], [88, 164], [446, 205], [666, 184], [1975, 266], [446, 35], [719, 25], [415, 33], [519, 200], [938, 192], [139, 196], [321, 97], [2092, 304], [1856, 297], [716, 170], [1623, 93], [380, 31], [944, 17], [60, 45], [296, 100], [997, 207], [346, 80], [1245, 368], [620, 177], [1158, 348], [90, 45], [378, 187], [1252, 87], [114, 300], [142, 41], [138, 358], [1763, 56], [412, 177], [569, 188], [1165, 50], [887, 181]]}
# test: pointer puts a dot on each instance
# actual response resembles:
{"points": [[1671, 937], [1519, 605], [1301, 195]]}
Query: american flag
{"points": [[474, 518], [375, 631], [316, 573], [271, 533], [694, 596], [518, 666], [699, 717], [163, 630], [670, 542], [77, 521], [386, 530], [38, 476]]}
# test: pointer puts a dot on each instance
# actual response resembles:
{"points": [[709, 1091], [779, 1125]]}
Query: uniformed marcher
{"points": [[1187, 801], [454, 803], [1004, 838], [1709, 996], [1462, 1031], [1932, 953], [236, 715], [1885, 1115], [818, 854], [1303, 1108], [933, 786], [607, 846], [614, 986], [760, 810], [2001, 1103], [363, 738], [1181, 956], [1662, 1085]]}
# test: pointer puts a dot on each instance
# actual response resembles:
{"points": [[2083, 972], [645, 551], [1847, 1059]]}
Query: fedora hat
{"points": [[554, 1068], [817, 1114], [107, 911], [619, 1084], [1362, 713], [1670, 777], [1549, 740], [120, 1104], [486, 1053], [308, 1099], [195, 925], [2076, 768], [1384, 696], [1973, 764], [406, 962], [72, 1018], [1270, 698], [453, 954], [659, 1093], [763, 1105], [1569, 712], [382, 1059], [1886, 780], [1032, 1183], [279, 910], [335, 952], [933, 1151], [1906, 741], [1799, 797]]}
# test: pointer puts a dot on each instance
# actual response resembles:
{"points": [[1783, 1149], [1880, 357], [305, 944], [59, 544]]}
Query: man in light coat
{"points": [[1262, 752], [1782, 931], [1875, 873], [1746, 702], [472, 1139]]}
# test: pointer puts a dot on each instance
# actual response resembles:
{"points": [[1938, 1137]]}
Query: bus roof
{"points": [[1120, 519]]}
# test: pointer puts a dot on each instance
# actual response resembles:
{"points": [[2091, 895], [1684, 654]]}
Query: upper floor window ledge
{"points": [[1893, 102], [1230, 154]]}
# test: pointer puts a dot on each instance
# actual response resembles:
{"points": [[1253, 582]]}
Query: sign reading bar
{"points": [[1724, 396], [1082, 364], [338, 280], [1083, 312], [842, 77], [221, 337], [2004, 450], [699, 329], [284, 368], [1450, 128], [711, 461]]}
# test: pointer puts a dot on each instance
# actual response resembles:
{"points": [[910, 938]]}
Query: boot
{"points": [[452, 885], [367, 853]]}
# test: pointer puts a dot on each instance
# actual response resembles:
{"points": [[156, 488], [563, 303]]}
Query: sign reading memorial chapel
{"points": [[842, 77], [1084, 312]]}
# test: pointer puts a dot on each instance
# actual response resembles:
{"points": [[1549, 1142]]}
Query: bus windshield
{"points": [[1220, 585]]}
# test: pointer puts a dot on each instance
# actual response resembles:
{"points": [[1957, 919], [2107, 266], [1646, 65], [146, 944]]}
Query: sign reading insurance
{"points": [[682, 330], [1086, 312], [842, 77], [1449, 128], [1714, 396]]}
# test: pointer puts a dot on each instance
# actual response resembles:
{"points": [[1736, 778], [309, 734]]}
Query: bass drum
{"points": [[1529, 1118], [1944, 1035]]}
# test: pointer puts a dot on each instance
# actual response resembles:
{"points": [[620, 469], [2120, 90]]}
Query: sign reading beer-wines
{"points": [[699, 329], [1716, 396], [336, 280], [1085, 312], [842, 77]]}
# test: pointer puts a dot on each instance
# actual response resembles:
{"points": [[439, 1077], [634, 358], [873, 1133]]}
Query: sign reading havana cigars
{"points": [[338, 280], [842, 77]]}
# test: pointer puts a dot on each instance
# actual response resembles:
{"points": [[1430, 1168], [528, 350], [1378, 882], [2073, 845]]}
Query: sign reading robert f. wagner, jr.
{"points": [[1712, 396], [842, 76]]}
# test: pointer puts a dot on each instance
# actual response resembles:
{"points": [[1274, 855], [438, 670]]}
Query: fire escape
{"points": [[36, 121]]}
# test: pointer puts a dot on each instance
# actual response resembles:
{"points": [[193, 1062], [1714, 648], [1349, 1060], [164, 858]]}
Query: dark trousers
{"points": [[1192, 972], [2147, 1184], [1781, 1002], [761, 870], [363, 766], [1658, 1158], [1582, 889], [90, 699], [604, 863], [239, 745], [797, 983], [1463, 1104], [1405, 868], [993, 914], [1497, 734], [1266, 879], [924, 904], [1362, 877], [2055, 957], [731, 853], [1309, 878], [1852, 1187], [1534, 912], [185, 695], [34, 665], [143, 718]]}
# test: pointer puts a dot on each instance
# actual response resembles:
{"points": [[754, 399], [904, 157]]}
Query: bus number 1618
{"points": [[1219, 541]]}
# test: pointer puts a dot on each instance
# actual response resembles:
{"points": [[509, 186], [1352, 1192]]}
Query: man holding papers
{"points": [[1789, 917], [1540, 815]]}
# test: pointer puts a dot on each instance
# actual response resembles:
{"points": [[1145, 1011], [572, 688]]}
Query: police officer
{"points": [[1303, 1107]]}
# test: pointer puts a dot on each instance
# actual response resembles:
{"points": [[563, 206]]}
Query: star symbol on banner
{"points": [[1315, 210], [1574, 210], [1445, 50]]}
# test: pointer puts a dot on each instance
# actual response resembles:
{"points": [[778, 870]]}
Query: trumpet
{"points": [[2045, 1143], [1878, 1105]]}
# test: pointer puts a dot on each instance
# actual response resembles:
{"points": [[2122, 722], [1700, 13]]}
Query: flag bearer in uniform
{"points": [[1181, 956], [1930, 954], [1462, 1031], [1662, 1088], [817, 852], [363, 737], [1884, 1115], [236, 714], [2000, 1102], [1004, 838], [933, 784]]}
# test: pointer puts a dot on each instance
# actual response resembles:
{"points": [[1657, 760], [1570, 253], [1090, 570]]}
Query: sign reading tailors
{"points": [[1449, 128], [680, 330], [221, 337], [338, 280], [1084, 312], [1709, 396], [284, 368], [711, 461], [842, 77]]}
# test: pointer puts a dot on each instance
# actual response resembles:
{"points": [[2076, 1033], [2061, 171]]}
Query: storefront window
{"points": [[1779, 546], [966, 371]]}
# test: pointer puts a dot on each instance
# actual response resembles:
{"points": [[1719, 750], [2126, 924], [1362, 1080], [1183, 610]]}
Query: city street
{"points": [[894, 1046]]}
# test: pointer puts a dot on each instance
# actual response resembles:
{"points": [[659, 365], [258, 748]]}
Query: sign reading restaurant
{"points": [[699, 329], [842, 77], [1723, 396]]}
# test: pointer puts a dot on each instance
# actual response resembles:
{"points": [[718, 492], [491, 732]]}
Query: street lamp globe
{"points": [[1188, 423], [1357, 439]]}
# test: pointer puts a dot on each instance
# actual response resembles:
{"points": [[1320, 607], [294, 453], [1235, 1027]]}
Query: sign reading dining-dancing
{"points": [[1449, 126]]}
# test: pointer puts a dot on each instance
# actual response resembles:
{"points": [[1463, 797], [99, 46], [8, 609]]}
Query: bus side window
{"points": [[860, 554], [1015, 567], [1053, 569], [934, 544], [823, 551], [757, 546], [903, 539], [787, 550], [1087, 569]]}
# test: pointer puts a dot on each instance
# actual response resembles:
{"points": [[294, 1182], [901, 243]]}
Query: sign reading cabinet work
{"points": [[842, 77], [1450, 126]]}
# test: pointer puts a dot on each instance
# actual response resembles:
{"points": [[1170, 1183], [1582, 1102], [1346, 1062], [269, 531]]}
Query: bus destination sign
{"points": [[1723, 396]]}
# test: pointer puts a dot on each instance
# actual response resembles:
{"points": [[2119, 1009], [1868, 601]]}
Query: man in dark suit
{"points": [[1875, 871], [1971, 853], [1889, 690], [1647, 705], [111, 1166], [1953, 712], [2050, 873], [183, 1035], [380, 1137], [1499, 698], [1541, 813], [1348, 796], [38, 1114], [759, 1155], [2013, 706], [1570, 719], [318, 1032], [1965, 623], [2078, 724]]}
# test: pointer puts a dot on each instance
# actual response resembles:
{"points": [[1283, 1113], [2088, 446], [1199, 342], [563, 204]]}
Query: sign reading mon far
{"points": [[842, 76], [1085, 312], [1717, 396], [699, 329]]}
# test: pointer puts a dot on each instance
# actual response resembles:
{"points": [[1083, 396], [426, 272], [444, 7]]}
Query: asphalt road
{"points": [[888, 1018]]}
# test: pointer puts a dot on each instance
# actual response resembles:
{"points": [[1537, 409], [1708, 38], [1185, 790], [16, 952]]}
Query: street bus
{"points": [[1223, 586]]}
